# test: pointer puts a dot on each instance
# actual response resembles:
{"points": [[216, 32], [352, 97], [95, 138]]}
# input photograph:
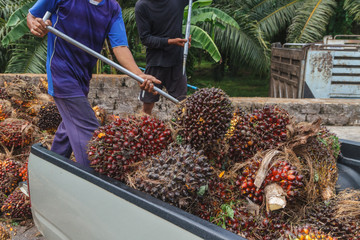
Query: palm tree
{"points": [[28, 53], [7, 8]]}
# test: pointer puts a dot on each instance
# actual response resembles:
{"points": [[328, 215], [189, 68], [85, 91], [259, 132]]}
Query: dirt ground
{"points": [[25, 230]]}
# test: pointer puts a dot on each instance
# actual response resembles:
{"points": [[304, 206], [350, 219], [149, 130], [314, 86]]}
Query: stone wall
{"points": [[118, 94]]}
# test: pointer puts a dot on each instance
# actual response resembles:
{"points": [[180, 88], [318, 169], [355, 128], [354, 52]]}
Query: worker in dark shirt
{"points": [[159, 25]]}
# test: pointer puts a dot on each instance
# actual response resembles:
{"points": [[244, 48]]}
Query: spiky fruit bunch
{"points": [[9, 175], [282, 173], [323, 216], [323, 150], [16, 133], [3, 94], [21, 90], [5, 109], [49, 118], [262, 129], [17, 206], [43, 85], [101, 115], [307, 233], [4, 234], [115, 147], [175, 175], [203, 118]]}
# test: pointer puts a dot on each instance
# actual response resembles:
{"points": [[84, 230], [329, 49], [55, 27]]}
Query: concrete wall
{"points": [[118, 94]]}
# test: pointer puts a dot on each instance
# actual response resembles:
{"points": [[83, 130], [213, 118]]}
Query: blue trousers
{"points": [[76, 129]]}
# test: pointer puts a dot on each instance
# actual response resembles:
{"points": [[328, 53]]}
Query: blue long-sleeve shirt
{"points": [[69, 68], [157, 21]]}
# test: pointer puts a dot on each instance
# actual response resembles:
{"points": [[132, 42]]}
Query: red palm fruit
{"points": [[16, 133], [16, 206], [115, 147]]}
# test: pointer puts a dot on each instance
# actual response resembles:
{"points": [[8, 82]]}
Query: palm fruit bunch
{"points": [[281, 174], [260, 130], [3, 94], [101, 115], [114, 148], [4, 234], [324, 217], [49, 118], [9, 175], [23, 171], [16, 206], [5, 109], [21, 93], [43, 85], [323, 150], [203, 118], [175, 175], [16, 133], [307, 233]]}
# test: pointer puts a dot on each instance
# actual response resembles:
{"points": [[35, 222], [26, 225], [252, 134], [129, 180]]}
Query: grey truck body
{"points": [[71, 202]]}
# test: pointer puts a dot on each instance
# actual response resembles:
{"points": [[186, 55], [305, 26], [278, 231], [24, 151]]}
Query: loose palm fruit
{"points": [[282, 173]]}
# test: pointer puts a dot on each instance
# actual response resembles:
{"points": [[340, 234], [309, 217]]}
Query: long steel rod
{"points": [[102, 58], [187, 35]]}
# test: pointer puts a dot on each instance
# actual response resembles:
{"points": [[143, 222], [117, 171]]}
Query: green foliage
{"points": [[17, 24], [310, 22], [353, 8], [226, 212], [201, 39], [341, 22], [28, 56]]}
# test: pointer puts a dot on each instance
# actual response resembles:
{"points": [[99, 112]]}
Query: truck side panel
{"points": [[67, 203]]}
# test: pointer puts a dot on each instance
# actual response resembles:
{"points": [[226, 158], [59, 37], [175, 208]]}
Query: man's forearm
{"points": [[126, 59]]}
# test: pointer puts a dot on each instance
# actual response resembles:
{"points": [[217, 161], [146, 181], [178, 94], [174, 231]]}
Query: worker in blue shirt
{"points": [[69, 69], [159, 25]]}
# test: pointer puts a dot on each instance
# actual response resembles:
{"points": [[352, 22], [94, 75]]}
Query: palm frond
{"points": [[28, 56], [276, 19], [130, 23], [243, 46], [353, 8], [309, 24]]}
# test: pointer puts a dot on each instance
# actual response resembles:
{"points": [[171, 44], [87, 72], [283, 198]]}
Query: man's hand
{"points": [[177, 41], [37, 26], [148, 84]]}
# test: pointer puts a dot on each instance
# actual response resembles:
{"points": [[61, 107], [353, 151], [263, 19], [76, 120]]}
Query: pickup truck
{"points": [[72, 202]]}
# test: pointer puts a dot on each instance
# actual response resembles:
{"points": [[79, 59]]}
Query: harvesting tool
{"points": [[102, 58], [187, 35]]}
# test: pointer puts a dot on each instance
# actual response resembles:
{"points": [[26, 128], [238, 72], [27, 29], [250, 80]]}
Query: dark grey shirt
{"points": [[157, 21]]}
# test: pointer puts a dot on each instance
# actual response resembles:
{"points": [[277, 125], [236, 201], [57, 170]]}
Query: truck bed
{"points": [[73, 202]]}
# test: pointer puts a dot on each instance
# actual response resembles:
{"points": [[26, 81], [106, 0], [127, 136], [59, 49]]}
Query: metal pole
{"points": [[102, 58], [187, 35]]}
